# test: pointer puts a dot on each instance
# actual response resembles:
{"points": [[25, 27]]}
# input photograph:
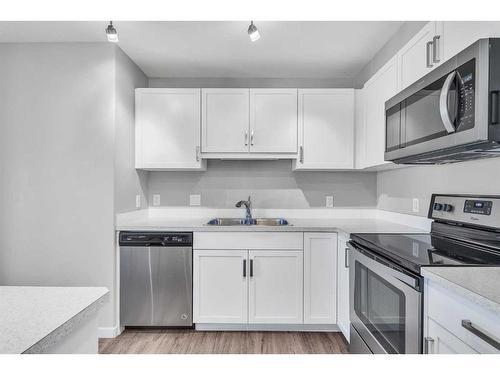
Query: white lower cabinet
{"points": [[441, 341], [275, 287], [220, 291], [343, 320], [320, 278]]}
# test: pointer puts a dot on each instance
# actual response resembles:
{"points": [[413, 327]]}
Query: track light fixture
{"points": [[253, 32], [111, 33]]}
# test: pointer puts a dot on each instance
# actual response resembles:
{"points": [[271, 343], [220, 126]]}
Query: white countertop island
{"points": [[49, 319]]}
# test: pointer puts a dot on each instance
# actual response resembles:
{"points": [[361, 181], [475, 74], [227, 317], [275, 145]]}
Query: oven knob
{"points": [[438, 206], [447, 207]]}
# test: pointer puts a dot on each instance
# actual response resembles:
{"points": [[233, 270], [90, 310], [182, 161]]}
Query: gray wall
{"points": [[129, 182], [397, 188], [272, 184], [253, 82], [56, 165]]}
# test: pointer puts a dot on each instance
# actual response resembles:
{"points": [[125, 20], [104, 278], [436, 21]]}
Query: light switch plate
{"points": [[156, 199], [195, 200], [137, 201], [329, 201], [415, 205]]}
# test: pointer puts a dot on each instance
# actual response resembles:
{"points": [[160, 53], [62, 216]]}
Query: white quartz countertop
{"points": [[31, 317], [478, 284], [343, 222]]}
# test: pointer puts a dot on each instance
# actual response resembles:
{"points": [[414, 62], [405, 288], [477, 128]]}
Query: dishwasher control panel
{"points": [[155, 239]]}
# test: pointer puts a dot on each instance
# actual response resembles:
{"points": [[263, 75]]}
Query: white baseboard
{"points": [[267, 327], [109, 332]]}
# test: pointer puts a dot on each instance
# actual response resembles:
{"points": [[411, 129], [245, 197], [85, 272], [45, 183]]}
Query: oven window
{"points": [[381, 308]]}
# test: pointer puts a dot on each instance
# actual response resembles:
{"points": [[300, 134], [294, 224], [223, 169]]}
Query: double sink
{"points": [[257, 221]]}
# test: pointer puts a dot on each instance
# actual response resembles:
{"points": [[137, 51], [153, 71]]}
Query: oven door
{"points": [[385, 303]]}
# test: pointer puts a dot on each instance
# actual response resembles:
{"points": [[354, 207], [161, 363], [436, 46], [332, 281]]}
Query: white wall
{"points": [[66, 162], [129, 182]]}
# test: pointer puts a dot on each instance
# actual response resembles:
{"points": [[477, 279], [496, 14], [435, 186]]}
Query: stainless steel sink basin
{"points": [[258, 221]]}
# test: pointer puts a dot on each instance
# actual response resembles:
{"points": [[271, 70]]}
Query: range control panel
{"points": [[466, 209]]}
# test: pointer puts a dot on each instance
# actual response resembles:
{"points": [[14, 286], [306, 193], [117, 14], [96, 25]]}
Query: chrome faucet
{"points": [[248, 207]]}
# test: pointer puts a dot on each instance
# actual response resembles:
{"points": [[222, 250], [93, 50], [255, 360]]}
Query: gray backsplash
{"points": [[397, 188], [272, 184]]}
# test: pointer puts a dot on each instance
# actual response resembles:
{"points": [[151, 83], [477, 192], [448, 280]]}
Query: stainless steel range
{"points": [[386, 286]]}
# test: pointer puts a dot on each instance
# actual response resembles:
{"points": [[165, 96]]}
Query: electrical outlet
{"points": [[415, 205], [137, 201], [329, 201], [195, 200], [415, 249], [156, 199]]}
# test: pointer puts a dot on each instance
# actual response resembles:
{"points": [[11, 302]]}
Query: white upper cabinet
{"points": [[167, 129], [458, 35], [273, 120], [420, 55], [225, 114], [326, 129], [381, 87]]}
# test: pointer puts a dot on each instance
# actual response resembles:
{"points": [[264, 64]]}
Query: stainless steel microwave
{"points": [[451, 114]]}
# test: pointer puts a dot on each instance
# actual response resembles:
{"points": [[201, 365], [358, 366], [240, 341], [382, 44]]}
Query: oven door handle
{"points": [[443, 103], [390, 270]]}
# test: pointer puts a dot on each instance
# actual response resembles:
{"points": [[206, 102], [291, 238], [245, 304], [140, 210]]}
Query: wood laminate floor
{"points": [[171, 341]]}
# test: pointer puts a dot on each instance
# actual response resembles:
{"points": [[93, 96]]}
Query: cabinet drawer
{"points": [[248, 240], [449, 309]]}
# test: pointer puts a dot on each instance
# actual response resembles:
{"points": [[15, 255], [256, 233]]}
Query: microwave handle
{"points": [[443, 103]]}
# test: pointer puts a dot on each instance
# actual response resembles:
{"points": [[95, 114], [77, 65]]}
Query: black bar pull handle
{"points": [[494, 107], [251, 267], [244, 268]]}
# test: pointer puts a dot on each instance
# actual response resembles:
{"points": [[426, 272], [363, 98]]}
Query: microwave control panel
{"points": [[466, 83]]}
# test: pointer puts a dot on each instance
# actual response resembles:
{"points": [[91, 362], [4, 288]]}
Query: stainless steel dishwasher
{"points": [[156, 279]]}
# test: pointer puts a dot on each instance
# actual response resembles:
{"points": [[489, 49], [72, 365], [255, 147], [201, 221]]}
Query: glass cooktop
{"points": [[414, 251]]}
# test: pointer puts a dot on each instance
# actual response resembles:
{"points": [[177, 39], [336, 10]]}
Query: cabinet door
{"points": [[458, 35], [439, 340], [275, 287], [320, 278], [343, 320], [414, 55], [382, 86], [225, 119], [220, 286], [326, 129], [168, 129], [360, 130], [273, 120]]}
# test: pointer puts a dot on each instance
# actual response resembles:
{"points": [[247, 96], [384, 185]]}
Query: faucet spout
{"points": [[248, 208]]}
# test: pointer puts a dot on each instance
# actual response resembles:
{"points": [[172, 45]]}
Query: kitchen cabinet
{"points": [[273, 120], [456, 324], [458, 35], [421, 54], [167, 129], [320, 278], [439, 340], [224, 120], [343, 320], [381, 87], [220, 291], [275, 287], [359, 130], [326, 129]]}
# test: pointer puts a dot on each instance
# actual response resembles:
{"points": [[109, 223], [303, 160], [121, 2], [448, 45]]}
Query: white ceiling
{"points": [[223, 49]]}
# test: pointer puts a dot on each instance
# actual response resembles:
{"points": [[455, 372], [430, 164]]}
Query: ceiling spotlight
{"points": [[253, 33], [111, 33]]}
